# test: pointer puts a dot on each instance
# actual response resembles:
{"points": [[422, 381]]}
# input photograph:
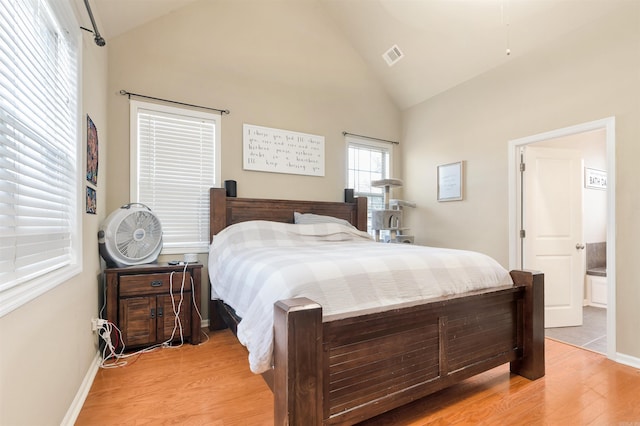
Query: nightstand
{"points": [[140, 302]]}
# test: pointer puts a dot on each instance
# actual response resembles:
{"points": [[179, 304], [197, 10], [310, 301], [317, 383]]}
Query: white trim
{"points": [[513, 152], [19, 295], [76, 405], [629, 360], [610, 128]]}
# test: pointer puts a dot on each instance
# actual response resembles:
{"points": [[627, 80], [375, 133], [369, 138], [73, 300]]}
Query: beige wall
{"points": [[590, 74], [47, 345], [280, 64]]}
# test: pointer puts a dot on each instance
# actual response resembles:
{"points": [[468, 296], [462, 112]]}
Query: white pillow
{"points": [[308, 218]]}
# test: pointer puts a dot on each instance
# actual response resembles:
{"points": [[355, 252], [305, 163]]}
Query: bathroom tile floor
{"points": [[591, 335]]}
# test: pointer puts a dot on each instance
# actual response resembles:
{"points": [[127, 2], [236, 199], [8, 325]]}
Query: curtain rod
{"points": [[369, 137], [129, 94], [96, 34]]}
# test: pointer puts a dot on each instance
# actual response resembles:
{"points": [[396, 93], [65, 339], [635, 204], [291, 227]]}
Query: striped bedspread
{"points": [[254, 264]]}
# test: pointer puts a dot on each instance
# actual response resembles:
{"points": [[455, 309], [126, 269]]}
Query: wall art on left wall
{"points": [[91, 200], [92, 152]]}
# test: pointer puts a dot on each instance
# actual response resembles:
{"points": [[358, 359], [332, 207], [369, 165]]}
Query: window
{"points": [[367, 161], [175, 159], [40, 182]]}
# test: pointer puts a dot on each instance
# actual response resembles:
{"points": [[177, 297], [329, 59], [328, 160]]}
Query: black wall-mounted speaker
{"points": [[231, 187], [348, 196]]}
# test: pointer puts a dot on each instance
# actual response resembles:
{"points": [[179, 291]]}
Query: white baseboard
{"points": [[204, 323], [629, 360], [74, 410]]}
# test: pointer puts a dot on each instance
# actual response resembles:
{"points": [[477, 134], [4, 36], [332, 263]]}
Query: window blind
{"points": [[39, 140], [176, 166]]}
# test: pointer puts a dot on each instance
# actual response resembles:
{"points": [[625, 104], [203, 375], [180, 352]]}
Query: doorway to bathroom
{"points": [[562, 222]]}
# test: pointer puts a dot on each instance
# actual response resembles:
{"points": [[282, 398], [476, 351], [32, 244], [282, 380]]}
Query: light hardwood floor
{"points": [[211, 384]]}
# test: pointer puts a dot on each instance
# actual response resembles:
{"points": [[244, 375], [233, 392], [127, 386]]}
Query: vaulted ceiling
{"points": [[443, 42]]}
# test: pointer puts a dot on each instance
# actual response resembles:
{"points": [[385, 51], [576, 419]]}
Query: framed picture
{"points": [[92, 152], [91, 200], [450, 181], [595, 179]]}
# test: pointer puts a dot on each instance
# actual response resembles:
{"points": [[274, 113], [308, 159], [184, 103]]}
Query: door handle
{"points": [[579, 246]]}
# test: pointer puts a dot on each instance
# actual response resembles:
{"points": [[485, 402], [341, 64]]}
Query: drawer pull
{"points": [[156, 283]]}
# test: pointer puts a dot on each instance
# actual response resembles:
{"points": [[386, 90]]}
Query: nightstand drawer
{"points": [[137, 285]]}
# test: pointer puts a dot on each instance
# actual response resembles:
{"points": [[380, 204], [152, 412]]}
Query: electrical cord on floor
{"points": [[111, 358]]}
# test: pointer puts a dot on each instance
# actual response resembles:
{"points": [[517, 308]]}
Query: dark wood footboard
{"points": [[349, 368]]}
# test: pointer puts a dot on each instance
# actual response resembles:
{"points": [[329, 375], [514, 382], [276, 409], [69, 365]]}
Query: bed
{"points": [[345, 367]]}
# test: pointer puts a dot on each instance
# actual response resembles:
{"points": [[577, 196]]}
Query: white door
{"points": [[553, 230]]}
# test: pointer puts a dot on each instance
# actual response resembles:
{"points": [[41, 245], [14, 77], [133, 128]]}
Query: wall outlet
{"points": [[97, 323]]}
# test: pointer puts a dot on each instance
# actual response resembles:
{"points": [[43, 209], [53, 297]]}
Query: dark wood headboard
{"points": [[225, 211]]}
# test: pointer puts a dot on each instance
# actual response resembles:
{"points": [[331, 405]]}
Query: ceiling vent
{"points": [[393, 55]]}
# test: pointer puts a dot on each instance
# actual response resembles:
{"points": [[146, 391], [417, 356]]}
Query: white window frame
{"points": [[376, 192], [30, 287], [135, 107]]}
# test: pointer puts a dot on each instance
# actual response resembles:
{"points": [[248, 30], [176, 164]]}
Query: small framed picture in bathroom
{"points": [[595, 179]]}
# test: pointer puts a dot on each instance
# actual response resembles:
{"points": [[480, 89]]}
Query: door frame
{"points": [[608, 124]]}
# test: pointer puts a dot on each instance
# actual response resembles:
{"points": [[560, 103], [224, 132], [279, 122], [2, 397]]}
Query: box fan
{"points": [[130, 235]]}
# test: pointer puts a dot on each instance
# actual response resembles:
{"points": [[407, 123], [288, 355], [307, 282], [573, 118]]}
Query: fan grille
{"points": [[138, 235]]}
